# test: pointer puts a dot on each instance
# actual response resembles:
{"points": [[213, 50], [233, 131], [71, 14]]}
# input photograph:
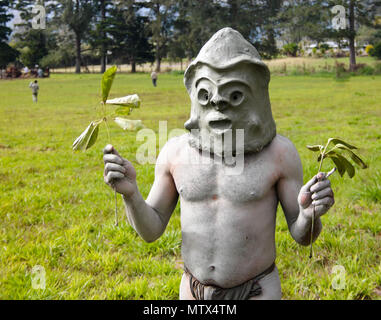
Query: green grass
{"points": [[56, 211]]}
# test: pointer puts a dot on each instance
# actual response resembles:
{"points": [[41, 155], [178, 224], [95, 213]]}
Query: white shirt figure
{"points": [[34, 86], [154, 78]]}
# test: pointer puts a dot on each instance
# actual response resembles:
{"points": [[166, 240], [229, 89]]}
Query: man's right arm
{"points": [[149, 218]]}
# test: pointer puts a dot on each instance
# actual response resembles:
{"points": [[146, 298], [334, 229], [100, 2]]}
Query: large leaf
{"points": [[127, 124], [316, 147], [358, 160], [348, 166], [107, 79], [87, 137], [336, 141], [339, 165], [342, 164], [354, 156], [131, 101]]}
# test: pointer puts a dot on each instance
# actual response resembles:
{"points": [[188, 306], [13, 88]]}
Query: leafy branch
{"points": [[124, 105], [338, 153]]}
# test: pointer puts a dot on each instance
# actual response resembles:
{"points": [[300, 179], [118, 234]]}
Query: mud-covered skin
{"points": [[227, 222]]}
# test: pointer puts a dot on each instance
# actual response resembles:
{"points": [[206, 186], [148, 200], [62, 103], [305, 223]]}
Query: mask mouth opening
{"points": [[220, 126]]}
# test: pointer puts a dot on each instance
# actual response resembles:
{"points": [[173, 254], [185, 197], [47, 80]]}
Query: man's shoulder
{"points": [[286, 155], [281, 144], [173, 149], [178, 143]]}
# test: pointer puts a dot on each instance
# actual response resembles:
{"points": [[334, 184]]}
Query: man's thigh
{"points": [[185, 292], [271, 289]]}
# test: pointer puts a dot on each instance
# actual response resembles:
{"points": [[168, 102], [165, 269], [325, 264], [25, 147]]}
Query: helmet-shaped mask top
{"points": [[230, 56]]}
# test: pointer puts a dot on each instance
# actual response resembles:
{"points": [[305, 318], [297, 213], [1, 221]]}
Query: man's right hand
{"points": [[119, 173]]}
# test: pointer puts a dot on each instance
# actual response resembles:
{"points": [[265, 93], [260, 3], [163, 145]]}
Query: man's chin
{"points": [[224, 142]]}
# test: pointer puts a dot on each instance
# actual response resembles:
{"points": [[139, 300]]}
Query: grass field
{"points": [[56, 211]]}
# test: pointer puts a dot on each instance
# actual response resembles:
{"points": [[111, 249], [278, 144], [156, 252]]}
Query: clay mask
{"points": [[230, 106], [225, 101]]}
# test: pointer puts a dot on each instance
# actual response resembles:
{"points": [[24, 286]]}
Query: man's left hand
{"points": [[316, 193]]}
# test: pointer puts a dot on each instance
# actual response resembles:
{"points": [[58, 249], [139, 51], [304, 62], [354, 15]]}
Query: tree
{"points": [[266, 23], [33, 47], [7, 53], [77, 15], [303, 19], [161, 13], [359, 13], [99, 39], [195, 24], [34, 44], [130, 34]]}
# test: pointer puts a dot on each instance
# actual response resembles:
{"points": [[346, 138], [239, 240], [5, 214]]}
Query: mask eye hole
{"points": [[203, 97], [236, 98]]}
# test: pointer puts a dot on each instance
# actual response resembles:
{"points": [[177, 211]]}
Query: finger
{"points": [[307, 186], [320, 185], [112, 175], [327, 201], [320, 176], [116, 152], [108, 149], [327, 192], [114, 167], [112, 158]]}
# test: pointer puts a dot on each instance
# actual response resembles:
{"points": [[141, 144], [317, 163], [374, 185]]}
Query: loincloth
{"points": [[243, 291]]}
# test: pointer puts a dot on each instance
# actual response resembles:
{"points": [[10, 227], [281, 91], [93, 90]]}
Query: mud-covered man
{"points": [[227, 220]]}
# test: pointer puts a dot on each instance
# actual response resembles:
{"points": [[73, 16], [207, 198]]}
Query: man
{"points": [[40, 73], [227, 220], [34, 86], [154, 78], [26, 71]]}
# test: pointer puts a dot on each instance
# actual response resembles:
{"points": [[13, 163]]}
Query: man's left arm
{"points": [[298, 201]]}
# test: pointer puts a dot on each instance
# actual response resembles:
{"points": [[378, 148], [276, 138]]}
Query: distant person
{"points": [[154, 78], [34, 86], [26, 70], [40, 73]]}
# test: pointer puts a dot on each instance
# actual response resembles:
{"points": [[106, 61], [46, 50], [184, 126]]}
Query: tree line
{"points": [[81, 32]]}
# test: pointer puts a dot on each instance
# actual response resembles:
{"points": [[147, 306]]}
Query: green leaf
{"points": [[348, 166], [316, 147], [354, 156], [131, 101], [358, 160], [87, 137], [336, 141], [107, 79], [123, 111], [127, 124], [339, 165]]}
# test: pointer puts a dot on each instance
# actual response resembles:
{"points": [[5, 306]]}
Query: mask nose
{"points": [[218, 102]]}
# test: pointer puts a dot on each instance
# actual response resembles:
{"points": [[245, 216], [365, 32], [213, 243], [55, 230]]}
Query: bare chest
{"points": [[198, 182]]}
